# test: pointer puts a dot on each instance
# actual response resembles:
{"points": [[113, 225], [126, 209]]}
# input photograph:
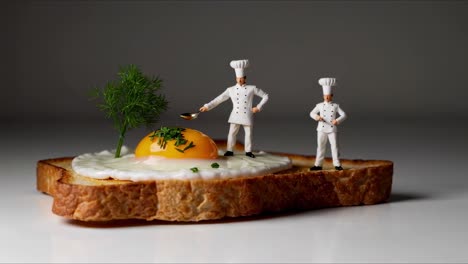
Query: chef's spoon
{"points": [[189, 116]]}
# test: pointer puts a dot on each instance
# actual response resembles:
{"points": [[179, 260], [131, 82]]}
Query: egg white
{"points": [[103, 165]]}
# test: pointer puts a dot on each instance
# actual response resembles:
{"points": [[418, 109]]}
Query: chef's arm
{"points": [[259, 92], [215, 102], [314, 114], [342, 115]]}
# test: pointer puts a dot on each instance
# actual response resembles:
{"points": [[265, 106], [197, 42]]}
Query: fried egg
{"points": [[204, 147], [192, 155]]}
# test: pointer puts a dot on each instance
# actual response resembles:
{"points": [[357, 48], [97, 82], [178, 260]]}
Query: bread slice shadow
{"points": [[125, 223], [397, 197]]}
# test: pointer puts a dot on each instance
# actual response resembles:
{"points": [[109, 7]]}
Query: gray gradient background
{"points": [[400, 58], [402, 74]]}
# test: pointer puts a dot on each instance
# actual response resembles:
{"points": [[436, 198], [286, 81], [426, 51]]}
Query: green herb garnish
{"points": [[194, 169], [214, 165], [131, 101], [191, 145], [165, 134]]}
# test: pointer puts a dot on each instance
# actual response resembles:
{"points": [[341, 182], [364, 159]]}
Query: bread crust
{"points": [[363, 182]]}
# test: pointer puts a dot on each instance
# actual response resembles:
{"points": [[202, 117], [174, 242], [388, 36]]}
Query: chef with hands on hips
{"points": [[326, 115], [241, 96]]}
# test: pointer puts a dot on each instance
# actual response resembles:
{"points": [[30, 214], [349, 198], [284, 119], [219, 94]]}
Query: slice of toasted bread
{"points": [[86, 199]]}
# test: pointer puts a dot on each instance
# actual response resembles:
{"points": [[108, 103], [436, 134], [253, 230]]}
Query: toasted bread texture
{"points": [[362, 182]]}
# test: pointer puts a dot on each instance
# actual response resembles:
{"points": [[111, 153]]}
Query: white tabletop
{"points": [[424, 221]]}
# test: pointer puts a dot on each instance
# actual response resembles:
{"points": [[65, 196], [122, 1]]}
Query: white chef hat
{"points": [[327, 84], [239, 66]]}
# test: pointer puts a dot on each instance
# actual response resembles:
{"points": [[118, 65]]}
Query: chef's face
{"points": [[328, 97], [241, 80]]}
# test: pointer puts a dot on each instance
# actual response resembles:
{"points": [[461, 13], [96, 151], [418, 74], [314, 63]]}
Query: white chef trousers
{"points": [[322, 145], [233, 130]]}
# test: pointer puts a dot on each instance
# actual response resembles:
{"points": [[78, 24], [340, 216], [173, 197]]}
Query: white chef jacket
{"points": [[242, 100], [328, 112]]}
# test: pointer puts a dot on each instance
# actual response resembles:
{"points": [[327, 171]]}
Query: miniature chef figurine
{"points": [[325, 114], [242, 112]]}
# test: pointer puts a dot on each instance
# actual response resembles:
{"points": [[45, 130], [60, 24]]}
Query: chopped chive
{"points": [[194, 169], [191, 145], [165, 134], [214, 165]]}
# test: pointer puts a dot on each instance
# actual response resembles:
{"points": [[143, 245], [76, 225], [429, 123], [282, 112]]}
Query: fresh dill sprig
{"points": [[165, 134], [131, 101]]}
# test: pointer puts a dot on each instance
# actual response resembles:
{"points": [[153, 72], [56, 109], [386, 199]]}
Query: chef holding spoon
{"points": [[241, 96]]}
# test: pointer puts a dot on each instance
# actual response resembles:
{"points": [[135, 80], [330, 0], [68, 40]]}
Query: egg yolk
{"points": [[203, 146]]}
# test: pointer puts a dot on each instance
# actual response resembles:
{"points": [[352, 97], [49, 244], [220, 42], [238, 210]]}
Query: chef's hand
{"points": [[320, 118], [255, 110], [203, 109], [334, 122]]}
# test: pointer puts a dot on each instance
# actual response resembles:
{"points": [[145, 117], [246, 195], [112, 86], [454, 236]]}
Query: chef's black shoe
{"points": [[250, 154], [315, 168], [338, 168], [228, 153]]}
